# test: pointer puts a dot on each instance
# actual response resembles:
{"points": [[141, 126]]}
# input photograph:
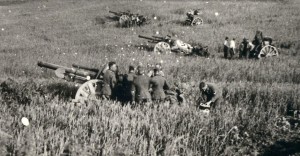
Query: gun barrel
{"points": [[158, 37], [113, 12], [148, 38], [49, 65], [85, 68], [67, 70]]}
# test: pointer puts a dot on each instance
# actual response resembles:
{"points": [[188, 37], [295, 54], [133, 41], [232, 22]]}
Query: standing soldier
{"points": [[232, 48], [158, 84], [226, 47], [210, 95], [128, 80], [257, 42], [109, 81], [245, 48], [140, 87]]}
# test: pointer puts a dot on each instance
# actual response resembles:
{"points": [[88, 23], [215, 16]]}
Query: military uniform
{"points": [[109, 82], [226, 48], [140, 89], [158, 84], [245, 48], [128, 81], [211, 94]]}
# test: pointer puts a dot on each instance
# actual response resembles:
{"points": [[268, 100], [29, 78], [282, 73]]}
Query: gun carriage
{"points": [[265, 49], [193, 18], [168, 45], [262, 46], [127, 19], [89, 78]]}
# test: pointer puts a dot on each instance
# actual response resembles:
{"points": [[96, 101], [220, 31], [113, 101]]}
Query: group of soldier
{"points": [[140, 86], [246, 49], [135, 86]]}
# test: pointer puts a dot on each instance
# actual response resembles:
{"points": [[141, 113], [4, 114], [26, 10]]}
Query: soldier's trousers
{"points": [[226, 49], [231, 53]]}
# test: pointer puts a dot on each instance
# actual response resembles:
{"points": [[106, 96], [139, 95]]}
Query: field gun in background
{"points": [[167, 44], [90, 78], [127, 19], [193, 18]]}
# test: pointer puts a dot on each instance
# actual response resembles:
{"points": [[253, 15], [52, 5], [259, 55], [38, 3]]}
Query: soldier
{"points": [[257, 42], [128, 80], [190, 15], [140, 87], [232, 48], [158, 84], [109, 80], [210, 95], [245, 48], [226, 47]]}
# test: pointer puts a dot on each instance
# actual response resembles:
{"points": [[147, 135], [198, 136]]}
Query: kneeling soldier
{"points": [[210, 94]]}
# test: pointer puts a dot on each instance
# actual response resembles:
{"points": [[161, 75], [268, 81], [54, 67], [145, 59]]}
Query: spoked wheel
{"points": [[197, 21], [162, 47], [268, 51], [88, 91], [124, 21]]}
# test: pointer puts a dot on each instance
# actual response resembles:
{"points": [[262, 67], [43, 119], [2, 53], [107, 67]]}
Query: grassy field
{"points": [[257, 93]]}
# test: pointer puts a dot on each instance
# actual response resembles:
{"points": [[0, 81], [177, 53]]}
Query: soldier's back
{"points": [[109, 80], [141, 84], [158, 83]]}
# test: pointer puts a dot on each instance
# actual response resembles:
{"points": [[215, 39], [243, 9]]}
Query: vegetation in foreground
{"points": [[256, 94]]}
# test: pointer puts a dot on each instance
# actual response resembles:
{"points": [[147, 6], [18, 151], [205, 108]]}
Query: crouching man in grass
{"points": [[209, 97]]}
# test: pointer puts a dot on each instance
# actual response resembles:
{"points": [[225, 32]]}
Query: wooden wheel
{"points": [[88, 90], [197, 21], [162, 47], [268, 51], [124, 20]]}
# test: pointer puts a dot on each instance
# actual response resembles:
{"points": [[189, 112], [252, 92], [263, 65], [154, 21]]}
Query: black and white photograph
{"points": [[149, 77]]}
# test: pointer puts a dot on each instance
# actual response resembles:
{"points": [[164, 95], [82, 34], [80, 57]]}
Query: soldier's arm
{"points": [[113, 81], [166, 85], [132, 91]]}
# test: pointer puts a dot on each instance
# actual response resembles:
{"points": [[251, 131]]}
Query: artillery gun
{"points": [[168, 45], [127, 19], [193, 18], [262, 46], [90, 78]]}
